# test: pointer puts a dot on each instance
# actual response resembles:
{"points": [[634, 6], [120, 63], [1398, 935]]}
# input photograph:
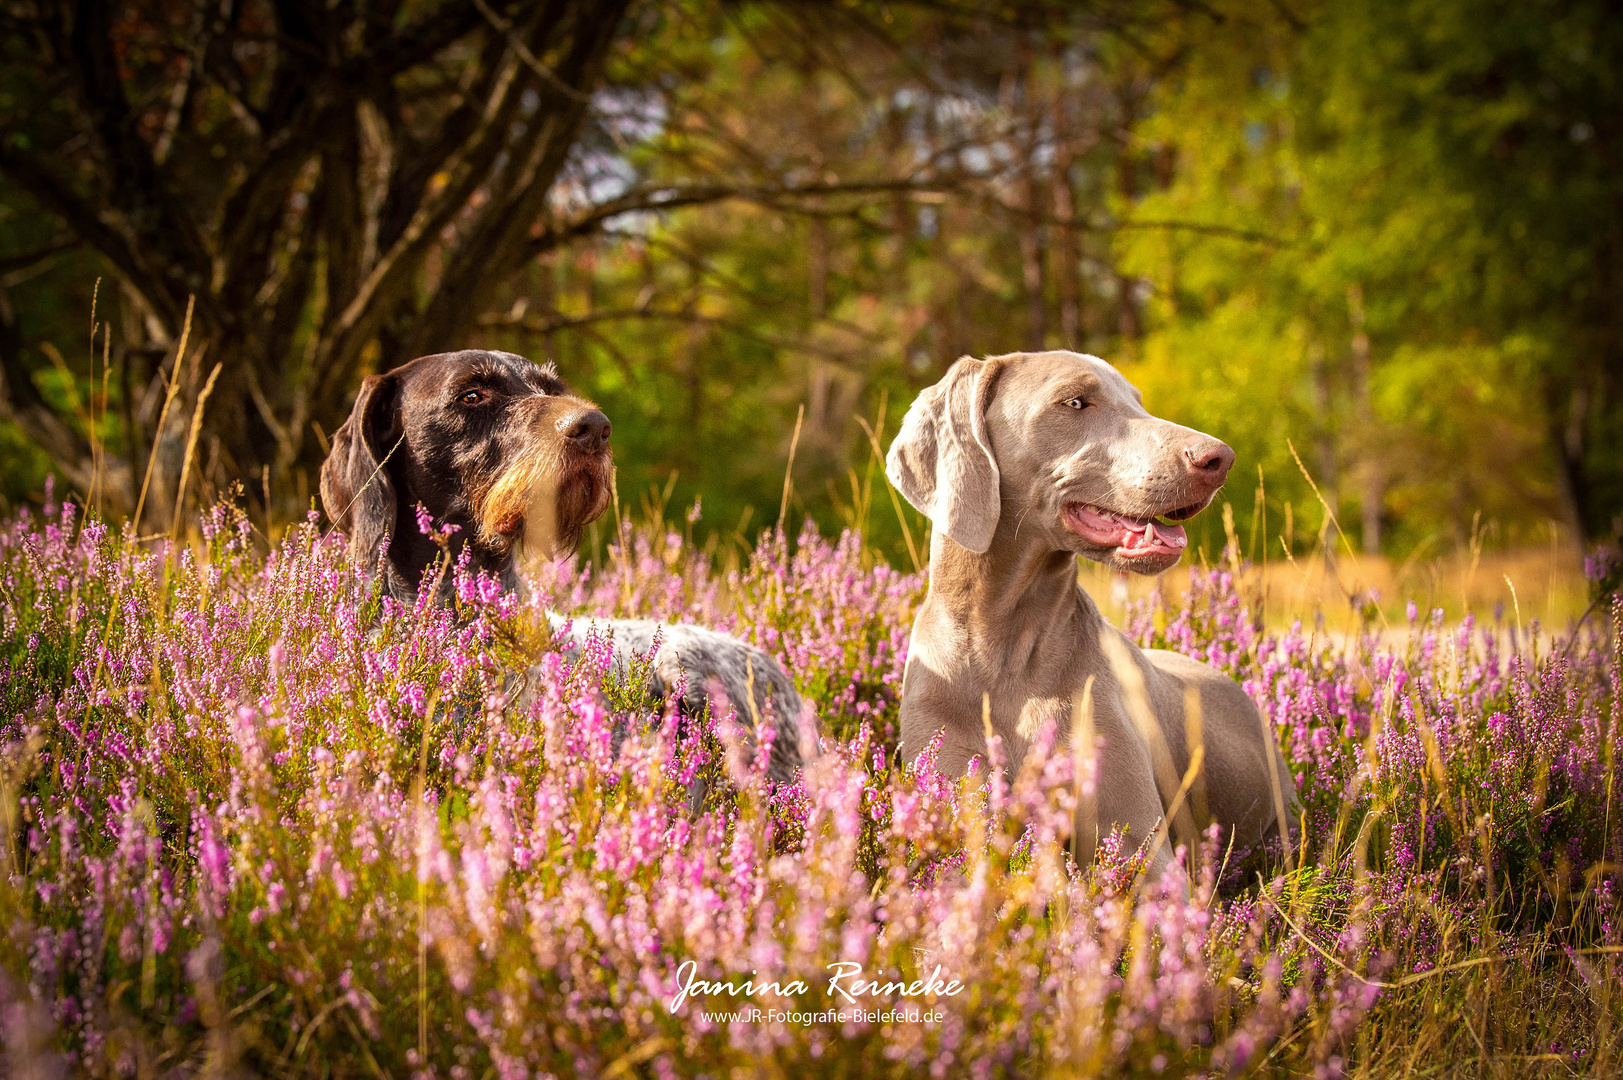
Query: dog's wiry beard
{"points": [[520, 512], [540, 542], [538, 506]]}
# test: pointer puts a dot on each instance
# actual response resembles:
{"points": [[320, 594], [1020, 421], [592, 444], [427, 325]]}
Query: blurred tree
{"points": [[1433, 284], [334, 184], [1386, 232], [853, 302], [340, 187]]}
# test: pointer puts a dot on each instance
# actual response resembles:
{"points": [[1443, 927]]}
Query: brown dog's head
{"points": [[1054, 447], [486, 441]]}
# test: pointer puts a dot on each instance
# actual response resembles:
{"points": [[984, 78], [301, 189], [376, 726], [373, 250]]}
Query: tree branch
{"points": [[57, 196], [667, 197], [559, 321], [134, 181], [12, 264]]}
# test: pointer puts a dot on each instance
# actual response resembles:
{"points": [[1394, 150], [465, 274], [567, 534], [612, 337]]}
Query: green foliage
{"points": [[1387, 233], [1437, 176]]}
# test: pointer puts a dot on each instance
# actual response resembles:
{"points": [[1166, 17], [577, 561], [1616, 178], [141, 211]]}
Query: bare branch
{"points": [[667, 197], [504, 27], [12, 265], [558, 321], [58, 197]]}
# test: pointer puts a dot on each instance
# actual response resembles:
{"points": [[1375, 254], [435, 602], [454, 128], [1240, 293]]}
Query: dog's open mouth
{"points": [[1133, 538]]}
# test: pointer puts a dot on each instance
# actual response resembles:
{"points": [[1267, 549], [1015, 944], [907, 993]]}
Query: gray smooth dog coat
{"points": [[1023, 462]]}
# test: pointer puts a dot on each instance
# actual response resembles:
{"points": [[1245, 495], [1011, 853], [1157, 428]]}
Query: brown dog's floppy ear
{"points": [[356, 489], [942, 459]]}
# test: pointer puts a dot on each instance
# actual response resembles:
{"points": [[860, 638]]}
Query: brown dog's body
{"points": [[496, 446], [1022, 463]]}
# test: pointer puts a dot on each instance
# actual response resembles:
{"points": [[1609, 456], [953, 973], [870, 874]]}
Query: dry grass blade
{"points": [[789, 469], [1275, 785], [1135, 702], [1084, 750], [1176, 810], [98, 484], [1194, 733], [191, 451], [69, 384], [163, 414], [895, 500]]}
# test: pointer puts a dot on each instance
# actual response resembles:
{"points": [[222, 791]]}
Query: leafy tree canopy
{"points": [[1381, 236]]}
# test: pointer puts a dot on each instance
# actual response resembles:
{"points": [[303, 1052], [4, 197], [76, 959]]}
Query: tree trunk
{"points": [[1373, 467], [1128, 322], [1068, 252], [1033, 245], [336, 201], [1570, 420], [1325, 464], [1032, 276], [817, 269]]}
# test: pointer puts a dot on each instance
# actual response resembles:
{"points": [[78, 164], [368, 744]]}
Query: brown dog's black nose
{"points": [[588, 431], [1210, 458]]}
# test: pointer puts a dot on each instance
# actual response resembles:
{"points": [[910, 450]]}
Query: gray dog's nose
{"points": [[587, 430], [1209, 457]]}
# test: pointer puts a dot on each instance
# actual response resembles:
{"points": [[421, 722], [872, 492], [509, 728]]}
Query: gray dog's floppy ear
{"points": [[356, 489], [942, 459]]}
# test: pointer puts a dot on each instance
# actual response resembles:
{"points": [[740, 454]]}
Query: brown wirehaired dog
{"points": [[497, 446], [486, 441]]}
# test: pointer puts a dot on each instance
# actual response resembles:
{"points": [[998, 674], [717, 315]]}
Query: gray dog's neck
{"points": [[1000, 605]]}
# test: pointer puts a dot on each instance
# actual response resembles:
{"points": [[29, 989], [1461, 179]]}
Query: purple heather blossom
{"points": [[258, 793]]}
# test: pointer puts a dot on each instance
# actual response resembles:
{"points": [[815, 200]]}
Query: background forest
{"points": [[1383, 235]]}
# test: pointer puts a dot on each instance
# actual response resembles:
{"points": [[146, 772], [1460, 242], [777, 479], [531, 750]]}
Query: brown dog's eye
{"points": [[472, 397], [1076, 403]]}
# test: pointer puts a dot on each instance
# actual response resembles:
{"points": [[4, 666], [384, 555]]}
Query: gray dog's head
{"points": [[1056, 447]]}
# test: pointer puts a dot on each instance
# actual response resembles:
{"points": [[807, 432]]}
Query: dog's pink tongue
{"points": [[1153, 538], [1129, 536], [1171, 536]]}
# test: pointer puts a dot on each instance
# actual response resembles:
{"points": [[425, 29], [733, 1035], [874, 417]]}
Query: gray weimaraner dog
{"points": [[1023, 462]]}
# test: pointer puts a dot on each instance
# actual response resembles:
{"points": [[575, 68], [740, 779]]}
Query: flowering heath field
{"points": [[260, 821]]}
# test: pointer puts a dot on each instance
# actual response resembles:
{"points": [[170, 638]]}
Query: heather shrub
{"points": [[261, 820]]}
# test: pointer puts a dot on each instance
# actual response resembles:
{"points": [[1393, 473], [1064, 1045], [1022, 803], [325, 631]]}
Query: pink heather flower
{"points": [[542, 843]]}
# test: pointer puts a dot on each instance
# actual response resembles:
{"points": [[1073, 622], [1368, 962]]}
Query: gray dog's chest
{"points": [[1054, 677]]}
